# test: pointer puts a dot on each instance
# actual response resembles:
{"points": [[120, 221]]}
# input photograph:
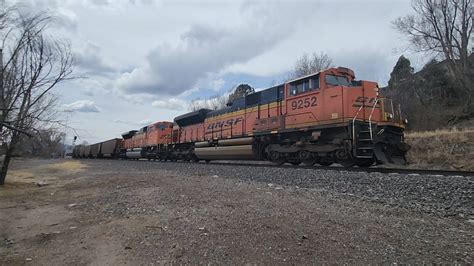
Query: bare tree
{"points": [[221, 101], [34, 64], [444, 27], [306, 65], [240, 91], [212, 103], [46, 143]]}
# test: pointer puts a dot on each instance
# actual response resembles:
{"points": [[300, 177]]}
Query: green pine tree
{"points": [[402, 72]]}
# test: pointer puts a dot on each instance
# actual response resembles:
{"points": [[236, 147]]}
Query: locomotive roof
{"points": [[260, 97], [129, 134], [192, 117], [306, 76], [342, 69]]}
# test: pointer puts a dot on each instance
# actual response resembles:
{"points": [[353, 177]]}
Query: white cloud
{"points": [[141, 123], [62, 17], [144, 122], [217, 84], [377, 70], [89, 60], [171, 104], [206, 49], [137, 99], [120, 3], [83, 106]]}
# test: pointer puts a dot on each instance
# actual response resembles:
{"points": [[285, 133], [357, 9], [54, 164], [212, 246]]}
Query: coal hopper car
{"points": [[110, 148]]}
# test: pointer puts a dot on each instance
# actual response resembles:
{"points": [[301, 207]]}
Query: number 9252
{"points": [[303, 103]]}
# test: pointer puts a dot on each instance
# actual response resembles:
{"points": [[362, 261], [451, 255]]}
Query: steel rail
{"points": [[384, 170], [408, 171]]}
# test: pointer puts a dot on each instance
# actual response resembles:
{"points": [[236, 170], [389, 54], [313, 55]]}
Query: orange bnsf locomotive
{"points": [[326, 117]]}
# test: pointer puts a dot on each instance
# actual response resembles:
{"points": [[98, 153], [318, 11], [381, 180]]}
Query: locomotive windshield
{"points": [[337, 80]]}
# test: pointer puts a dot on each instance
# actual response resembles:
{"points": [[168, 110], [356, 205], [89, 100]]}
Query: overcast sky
{"points": [[145, 60]]}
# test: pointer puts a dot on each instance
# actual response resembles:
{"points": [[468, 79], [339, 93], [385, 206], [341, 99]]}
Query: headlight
{"points": [[390, 116], [405, 121]]}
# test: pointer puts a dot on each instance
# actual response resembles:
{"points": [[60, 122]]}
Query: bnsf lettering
{"points": [[361, 99], [366, 101], [226, 123], [303, 103]]}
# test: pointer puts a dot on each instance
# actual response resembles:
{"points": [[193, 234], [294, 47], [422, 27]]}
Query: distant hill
{"points": [[430, 98]]}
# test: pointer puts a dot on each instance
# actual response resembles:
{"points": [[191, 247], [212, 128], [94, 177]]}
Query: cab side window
{"points": [[314, 83], [333, 80], [305, 85], [161, 127]]}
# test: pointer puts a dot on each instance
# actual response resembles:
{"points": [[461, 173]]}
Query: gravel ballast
{"points": [[440, 195], [113, 212]]}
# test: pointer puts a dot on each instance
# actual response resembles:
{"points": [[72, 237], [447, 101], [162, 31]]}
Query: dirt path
{"points": [[112, 212]]}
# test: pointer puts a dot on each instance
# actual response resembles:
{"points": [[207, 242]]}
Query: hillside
{"points": [[442, 149]]}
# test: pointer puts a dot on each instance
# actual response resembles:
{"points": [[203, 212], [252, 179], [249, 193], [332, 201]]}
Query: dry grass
{"points": [[69, 166], [43, 172], [451, 132], [442, 149]]}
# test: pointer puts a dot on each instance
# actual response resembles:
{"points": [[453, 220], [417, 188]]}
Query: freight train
{"points": [[323, 118]]}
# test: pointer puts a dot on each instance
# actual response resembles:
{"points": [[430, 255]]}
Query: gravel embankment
{"points": [[110, 212], [439, 195]]}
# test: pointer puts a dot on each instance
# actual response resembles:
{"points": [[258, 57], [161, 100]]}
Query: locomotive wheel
{"points": [[309, 162], [345, 158], [279, 161], [276, 158], [325, 163], [306, 158], [207, 161], [348, 162], [365, 163], [295, 162]]}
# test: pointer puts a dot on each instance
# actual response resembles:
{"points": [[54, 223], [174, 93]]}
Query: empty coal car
{"points": [[106, 149]]}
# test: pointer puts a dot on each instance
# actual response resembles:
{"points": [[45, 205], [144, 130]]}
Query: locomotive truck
{"points": [[326, 117]]}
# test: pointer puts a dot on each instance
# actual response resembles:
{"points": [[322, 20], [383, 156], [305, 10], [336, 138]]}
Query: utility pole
{"points": [[2, 96]]}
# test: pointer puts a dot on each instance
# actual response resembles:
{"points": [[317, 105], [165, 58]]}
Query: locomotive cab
{"points": [[339, 110]]}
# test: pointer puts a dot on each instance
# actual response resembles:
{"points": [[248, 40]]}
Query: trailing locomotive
{"points": [[326, 117]]}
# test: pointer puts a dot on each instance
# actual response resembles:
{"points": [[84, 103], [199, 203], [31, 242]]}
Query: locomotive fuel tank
{"points": [[202, 144], [236, 152], [135, 153], [233, 142]]}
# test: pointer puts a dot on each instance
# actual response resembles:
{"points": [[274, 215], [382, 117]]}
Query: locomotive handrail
{"points": [[370, 118], [353, 128]]}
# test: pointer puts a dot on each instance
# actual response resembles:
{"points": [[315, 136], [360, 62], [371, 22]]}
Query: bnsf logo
{"points": [[366, 101], [226, 123]]}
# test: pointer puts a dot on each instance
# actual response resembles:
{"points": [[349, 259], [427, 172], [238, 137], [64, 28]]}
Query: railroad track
{"points": [[338, 168], [350, 169]]}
